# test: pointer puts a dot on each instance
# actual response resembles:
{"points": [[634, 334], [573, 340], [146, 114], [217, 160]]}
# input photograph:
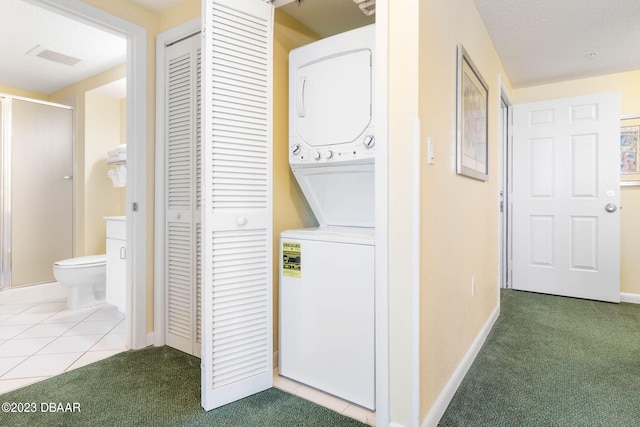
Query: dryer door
{"points": [[333, 98]]}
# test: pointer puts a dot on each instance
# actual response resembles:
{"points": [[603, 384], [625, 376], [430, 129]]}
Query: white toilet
{"points": [[85, 277]]}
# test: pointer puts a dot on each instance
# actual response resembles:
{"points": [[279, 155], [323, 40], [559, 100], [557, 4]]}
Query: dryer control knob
{"points": [[317, 156], [295, 150], [369, 141], [329, 154]]}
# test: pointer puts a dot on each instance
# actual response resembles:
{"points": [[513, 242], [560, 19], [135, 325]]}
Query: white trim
{"points": [[383, 414], [629, 298], [136, 36], [5, 188], [444, 398], [629, 116], [175, 34], [150, 339], [504, 149], [415, 274], [35, 101]]}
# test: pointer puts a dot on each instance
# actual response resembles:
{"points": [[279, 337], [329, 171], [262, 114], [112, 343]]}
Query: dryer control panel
{"points": [[363, 148]]}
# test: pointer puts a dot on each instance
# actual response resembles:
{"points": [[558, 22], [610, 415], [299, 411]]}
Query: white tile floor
{"points": [[40, 337], [323, 399]]}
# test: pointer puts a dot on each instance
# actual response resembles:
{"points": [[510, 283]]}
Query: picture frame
{"points": [[630, 146], [472, 120]]}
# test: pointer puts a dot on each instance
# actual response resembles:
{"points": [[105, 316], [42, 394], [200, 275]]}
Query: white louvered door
{"points": [[237, 348], [183, 183]]}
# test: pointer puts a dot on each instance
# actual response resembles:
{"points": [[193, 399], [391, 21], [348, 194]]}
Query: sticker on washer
{"points": [[291, 259]]}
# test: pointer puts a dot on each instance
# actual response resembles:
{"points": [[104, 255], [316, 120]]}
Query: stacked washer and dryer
{"points": [[327, 322]]}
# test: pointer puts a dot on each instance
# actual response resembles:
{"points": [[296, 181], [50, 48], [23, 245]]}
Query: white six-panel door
{"points": [[566, 219], [237, 328]]}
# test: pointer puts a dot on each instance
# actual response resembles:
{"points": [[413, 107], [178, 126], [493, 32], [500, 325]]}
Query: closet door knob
{"points": [[69, 177]]}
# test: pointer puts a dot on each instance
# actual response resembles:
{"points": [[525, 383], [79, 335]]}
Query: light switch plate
{"points": [[431, 151]]}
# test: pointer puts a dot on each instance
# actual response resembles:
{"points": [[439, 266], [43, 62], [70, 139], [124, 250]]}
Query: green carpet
{"points": [[155, 387], [554, 361]]}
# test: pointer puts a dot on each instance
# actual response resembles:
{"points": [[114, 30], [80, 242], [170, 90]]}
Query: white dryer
{"points": [[327, 316], [331, 133]]}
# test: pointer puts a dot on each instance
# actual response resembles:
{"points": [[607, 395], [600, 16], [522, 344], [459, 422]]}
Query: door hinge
{"points": [[134, 206]]}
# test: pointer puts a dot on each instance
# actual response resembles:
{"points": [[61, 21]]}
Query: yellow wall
{"points": [[628, 84], [459, 214], [24, 93], [290, 209], [179, 14], [116, 73], [101, 198]]}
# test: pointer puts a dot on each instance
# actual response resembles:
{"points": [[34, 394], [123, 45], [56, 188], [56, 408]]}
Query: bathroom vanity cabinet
{"points": [[116, 261]]}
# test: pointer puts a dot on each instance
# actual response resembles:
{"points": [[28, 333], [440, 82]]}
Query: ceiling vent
{"points": [[368, 7], [51, 55]]}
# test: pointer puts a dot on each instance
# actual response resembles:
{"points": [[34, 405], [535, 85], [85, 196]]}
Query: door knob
{"points": [[241, 221], [610, 207]]}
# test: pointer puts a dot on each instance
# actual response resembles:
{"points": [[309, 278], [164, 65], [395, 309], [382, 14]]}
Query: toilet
{"points": [[85, 277]]}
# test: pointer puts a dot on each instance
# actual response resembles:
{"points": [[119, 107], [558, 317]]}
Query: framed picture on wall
{"points": [[472, 135], [629, 137]]}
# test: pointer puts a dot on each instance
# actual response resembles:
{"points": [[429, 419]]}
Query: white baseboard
{"points": [[444, 398], [150, 339], [630, 298]]}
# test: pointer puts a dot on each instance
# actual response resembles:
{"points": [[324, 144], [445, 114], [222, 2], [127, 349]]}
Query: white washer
{"points": [[327, 311]]}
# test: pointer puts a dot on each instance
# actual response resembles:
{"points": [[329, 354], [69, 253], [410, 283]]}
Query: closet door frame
{"points": [[173, 35]]}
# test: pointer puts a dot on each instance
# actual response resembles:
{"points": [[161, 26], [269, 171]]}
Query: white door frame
{"points": [[164, 39], [504, 185], [136, 193], [383, 395]]}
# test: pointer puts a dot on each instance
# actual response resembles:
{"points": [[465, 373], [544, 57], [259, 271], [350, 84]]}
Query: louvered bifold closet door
{"points": [[237, 339], [183, 207], [198, 201]]}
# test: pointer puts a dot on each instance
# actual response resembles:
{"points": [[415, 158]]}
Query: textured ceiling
{"points": [[542, 41], [538, 41], [24, 26]]}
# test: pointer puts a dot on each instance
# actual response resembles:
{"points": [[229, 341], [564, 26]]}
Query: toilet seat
{"points": [[83, 261]]}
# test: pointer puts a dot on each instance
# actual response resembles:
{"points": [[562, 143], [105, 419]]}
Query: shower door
{"points": [[38, 191]]}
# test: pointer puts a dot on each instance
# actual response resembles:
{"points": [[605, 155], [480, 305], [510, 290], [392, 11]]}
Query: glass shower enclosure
{"points": [[36, 189]]}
